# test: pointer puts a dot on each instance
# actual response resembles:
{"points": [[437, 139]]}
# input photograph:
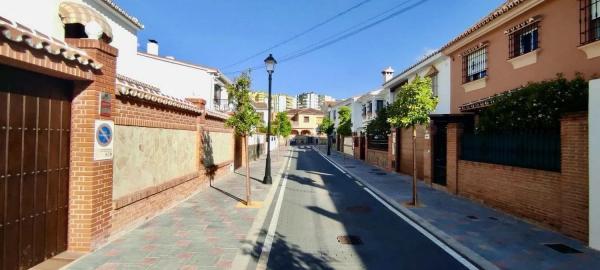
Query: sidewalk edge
{"points": [[243, 256], [469, 254]]}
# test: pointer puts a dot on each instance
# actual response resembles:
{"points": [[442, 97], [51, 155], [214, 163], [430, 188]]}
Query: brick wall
{"points": [[558, 200], [406, 151], [378, 158]]}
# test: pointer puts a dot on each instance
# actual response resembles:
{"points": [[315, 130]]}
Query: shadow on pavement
{"points": [[289, 255]]}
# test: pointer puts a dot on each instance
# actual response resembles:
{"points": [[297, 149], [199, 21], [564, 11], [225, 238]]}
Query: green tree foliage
{"points": [[326, 126], [345, 118], [244, 119], [379, 125], [282, 124], [414, 103], [538, 106]]}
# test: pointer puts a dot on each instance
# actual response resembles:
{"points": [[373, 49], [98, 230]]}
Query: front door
{"points": [[362, 147], [35, 120], [439, 153]]}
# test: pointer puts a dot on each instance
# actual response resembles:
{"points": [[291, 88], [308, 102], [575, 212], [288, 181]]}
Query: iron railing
{"points": [[475, 65], [589, 21], [524, 40], [532, 149]]}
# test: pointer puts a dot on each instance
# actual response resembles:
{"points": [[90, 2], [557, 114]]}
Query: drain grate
{"points": [[349, 240], [473, 217], [359, 209], [493, 218], [381, 173], [351, 167], [562, 248]]}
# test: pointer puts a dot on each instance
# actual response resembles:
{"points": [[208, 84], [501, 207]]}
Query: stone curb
{"points": [[243, 256], [466, 252]]}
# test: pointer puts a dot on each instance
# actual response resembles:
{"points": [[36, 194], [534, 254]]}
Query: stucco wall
{"points": [[348, 146], [218, 147], [594, 169], [558, 40], [146, 157]]}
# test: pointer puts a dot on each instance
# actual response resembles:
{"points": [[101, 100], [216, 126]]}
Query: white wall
{"points": [[356, 116], [442, 64], [594, 164], [175, 79], [37, 14]]}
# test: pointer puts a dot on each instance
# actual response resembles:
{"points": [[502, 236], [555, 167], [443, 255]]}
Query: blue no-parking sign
{"points": [[103, 140]]}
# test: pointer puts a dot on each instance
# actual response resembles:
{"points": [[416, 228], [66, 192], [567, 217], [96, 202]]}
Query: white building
{"points": [[173, 77], [334, 110], [368, 105], [437, 67], [279, 103], [309, 100]]}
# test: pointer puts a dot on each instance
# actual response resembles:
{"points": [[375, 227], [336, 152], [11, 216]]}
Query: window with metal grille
{"points": [[523, 40], [379, 105], [306, 119], [475, 65], [589, 21]]}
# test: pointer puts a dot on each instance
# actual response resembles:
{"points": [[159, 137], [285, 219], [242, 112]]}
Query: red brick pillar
{"points": [[200, 136], [366, 148], [574, 175], [453, 154], [90, 188], [427, 155], [390, 155]]}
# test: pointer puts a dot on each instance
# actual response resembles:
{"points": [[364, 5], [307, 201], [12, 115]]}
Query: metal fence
{"points": [[533, 149], [378, 142]]}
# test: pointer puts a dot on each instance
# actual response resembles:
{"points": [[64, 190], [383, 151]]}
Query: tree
{"points": [[379, 125], [327, 126], [345, 127], [414, 103], [283, 126], [244, 119]]}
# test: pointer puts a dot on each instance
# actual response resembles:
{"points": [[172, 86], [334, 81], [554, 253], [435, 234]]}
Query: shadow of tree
{"points": [[288, 256], [207, 158]]}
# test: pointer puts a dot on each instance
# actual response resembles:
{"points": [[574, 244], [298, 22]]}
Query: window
{"points": [[475, 65], [364, 109], [434, 84], [589, 18], [523, 40], [334, 115], [379, 105], [306, 119]]}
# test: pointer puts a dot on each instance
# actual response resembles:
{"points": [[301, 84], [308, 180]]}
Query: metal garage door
{"points": [[34, 167]]}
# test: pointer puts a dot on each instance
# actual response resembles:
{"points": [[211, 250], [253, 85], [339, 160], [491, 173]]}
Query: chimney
{"points": [[152, 47], [388, 73]]}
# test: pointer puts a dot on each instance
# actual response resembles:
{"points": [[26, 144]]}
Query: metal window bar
{"points": [[475, 65], [589, 21], [524, 40], [378, 142], [533, 149]]}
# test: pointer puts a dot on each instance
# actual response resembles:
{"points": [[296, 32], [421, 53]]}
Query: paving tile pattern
{"points": [[203, 232], [504, 240]]}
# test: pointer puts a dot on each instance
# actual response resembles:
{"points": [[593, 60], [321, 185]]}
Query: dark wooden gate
{"points": [[35, 118], [398, 149], [363, 146], [439, 152]]}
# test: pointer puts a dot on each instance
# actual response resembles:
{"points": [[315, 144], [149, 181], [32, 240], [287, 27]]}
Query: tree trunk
{"points": [[414, 182], [247, 170]]}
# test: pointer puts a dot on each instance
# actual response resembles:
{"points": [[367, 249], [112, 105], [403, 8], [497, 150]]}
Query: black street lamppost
{"points": [[270, 63]]}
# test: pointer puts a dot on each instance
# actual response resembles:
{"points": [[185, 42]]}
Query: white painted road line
{"points": [[418, 227], [266, 248]]}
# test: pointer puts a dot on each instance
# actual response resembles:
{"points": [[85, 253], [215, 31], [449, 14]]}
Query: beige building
{"points": [[305, 121]]}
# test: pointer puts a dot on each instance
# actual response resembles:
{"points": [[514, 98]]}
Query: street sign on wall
{"points": [[105, 104], [103, 140]]}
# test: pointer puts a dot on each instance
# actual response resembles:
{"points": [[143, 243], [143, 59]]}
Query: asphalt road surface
{"points": [[320, 203]]}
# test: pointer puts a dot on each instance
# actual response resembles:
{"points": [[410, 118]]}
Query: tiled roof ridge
{"points": [[36, 40], [135, 89], [121, 11], [503, 9]]}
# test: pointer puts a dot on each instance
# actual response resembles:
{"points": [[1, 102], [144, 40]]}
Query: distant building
{"points": [[257, 96], [291, 103], [305, 121], [309, 100], [279, 103]]}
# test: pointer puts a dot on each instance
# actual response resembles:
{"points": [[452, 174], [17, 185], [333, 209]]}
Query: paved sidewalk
{"points": [[203, 232], [505, 241]]}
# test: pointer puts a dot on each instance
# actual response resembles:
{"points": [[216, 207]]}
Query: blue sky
{"points": [[221, 32]]}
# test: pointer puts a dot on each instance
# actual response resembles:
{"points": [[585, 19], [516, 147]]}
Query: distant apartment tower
{"points": [[279, 102], [309, 100], [259, 97], [291, 103]]}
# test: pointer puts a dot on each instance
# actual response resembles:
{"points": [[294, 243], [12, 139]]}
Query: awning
{"points": [[70, 12]]}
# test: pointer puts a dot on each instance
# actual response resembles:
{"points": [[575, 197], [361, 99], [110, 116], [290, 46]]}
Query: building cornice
{"points": [[500, 16]]}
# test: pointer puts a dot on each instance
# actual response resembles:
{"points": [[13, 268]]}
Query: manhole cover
{"points": [[349, 240], [380, 173], [473, 217], [562, 248], [358, 209]]}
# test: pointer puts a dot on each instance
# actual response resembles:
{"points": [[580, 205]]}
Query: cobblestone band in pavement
{"points": [[203, 232]]}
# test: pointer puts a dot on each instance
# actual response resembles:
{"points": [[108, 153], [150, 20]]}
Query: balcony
{"points": [[222, 105]]}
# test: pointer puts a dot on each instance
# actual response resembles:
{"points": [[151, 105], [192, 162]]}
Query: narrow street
{"points": [[319, 204]]}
